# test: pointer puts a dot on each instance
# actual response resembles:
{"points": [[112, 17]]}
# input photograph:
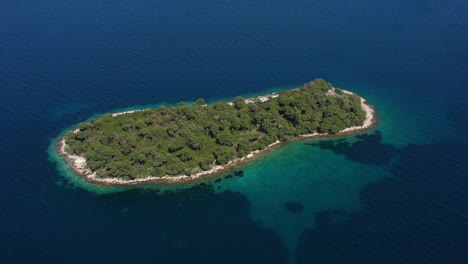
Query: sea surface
{"points": [[395, 194]]}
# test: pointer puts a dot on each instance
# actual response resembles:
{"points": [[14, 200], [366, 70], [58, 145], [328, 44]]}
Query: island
{"points": [[191, 142]]}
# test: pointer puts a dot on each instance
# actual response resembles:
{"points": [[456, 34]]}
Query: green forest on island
{"points": [[186, 139]]}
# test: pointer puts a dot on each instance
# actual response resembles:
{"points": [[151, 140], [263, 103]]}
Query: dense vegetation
{"points": [[187, 139]]}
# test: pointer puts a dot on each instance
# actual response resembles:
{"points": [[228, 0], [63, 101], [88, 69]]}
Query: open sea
{"points": [[395, 194]]}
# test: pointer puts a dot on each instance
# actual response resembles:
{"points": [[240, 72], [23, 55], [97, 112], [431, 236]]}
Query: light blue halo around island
{"points": [[318, 179]]}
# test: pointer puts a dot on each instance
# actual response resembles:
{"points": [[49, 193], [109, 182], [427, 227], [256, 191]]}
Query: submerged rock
{"points": [[239, 173]]}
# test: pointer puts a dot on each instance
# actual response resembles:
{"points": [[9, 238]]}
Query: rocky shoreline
{"points": [[79, 166]]}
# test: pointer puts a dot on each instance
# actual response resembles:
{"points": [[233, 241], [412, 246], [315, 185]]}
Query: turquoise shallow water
{"points": [[302, 173], [317, 179], [290, 186]]}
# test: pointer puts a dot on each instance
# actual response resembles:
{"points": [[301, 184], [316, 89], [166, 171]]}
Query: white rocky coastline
{"points": [[126, 112], [370, 116], [79, 166], [262, 98], [368, 122]]}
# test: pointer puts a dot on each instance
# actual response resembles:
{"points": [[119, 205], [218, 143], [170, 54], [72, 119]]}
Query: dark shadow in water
{"points": [[188, 226], [294, 207], [418, 216], [239, 173], [369, 149]]}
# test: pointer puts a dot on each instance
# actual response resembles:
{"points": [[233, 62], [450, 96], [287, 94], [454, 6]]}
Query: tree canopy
{"points": [[186, 139]]}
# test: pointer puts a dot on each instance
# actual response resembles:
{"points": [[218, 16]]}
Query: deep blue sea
{"points": [[395, 194]]}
